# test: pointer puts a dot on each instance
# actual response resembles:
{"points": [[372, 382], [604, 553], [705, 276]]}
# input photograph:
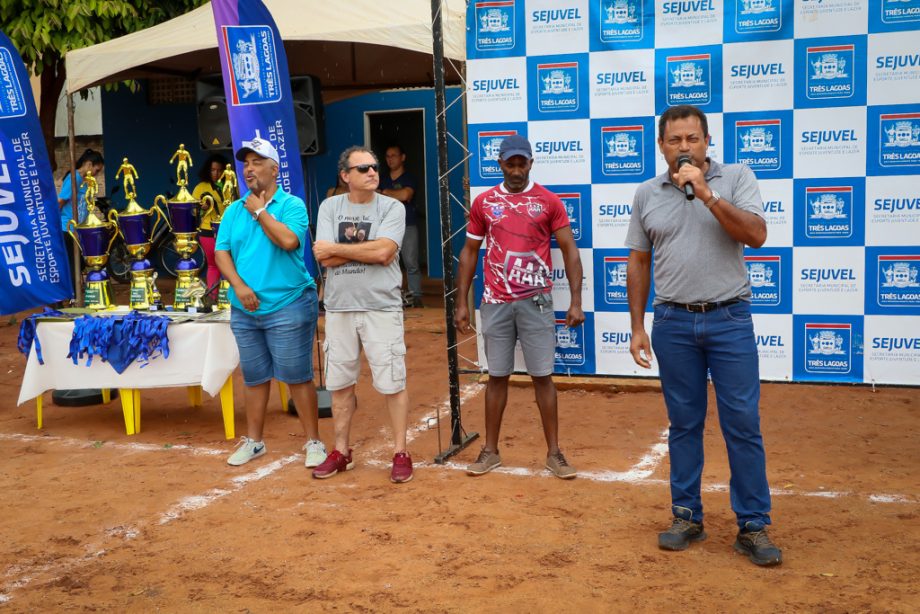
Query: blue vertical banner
{"points": [[258, 89], [33, 258]]}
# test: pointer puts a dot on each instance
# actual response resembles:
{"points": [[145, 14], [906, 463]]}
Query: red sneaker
{"points": [[402, 468], [334, 463]]}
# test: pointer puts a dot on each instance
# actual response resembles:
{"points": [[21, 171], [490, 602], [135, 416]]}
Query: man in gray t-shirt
{"points": [[358, 236], [697, 217]]}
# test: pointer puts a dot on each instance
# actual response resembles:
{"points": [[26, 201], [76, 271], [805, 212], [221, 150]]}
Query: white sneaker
{"points": [[315, 453], [246, 450]]}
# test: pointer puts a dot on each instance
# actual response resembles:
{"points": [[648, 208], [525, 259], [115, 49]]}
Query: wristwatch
{"points": [[713, 199], [259, 211]]}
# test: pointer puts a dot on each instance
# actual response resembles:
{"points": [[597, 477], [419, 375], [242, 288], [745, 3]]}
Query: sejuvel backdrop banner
{"points": [[257, 86], [33, 257], [820, 98]]}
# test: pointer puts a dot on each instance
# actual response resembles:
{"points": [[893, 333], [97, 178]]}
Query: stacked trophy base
{"points": [[98, 294], [144, 293]]}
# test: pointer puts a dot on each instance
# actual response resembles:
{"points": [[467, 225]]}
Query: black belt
{"points": [[704, 307]]}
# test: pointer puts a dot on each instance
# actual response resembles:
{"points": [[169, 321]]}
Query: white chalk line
{"points": [[629, 477], [28, 573], [197, 502], [137, 447]]}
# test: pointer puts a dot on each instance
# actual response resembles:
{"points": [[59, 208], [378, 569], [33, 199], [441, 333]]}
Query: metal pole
{"points": [[457, 440], [74, 185]]}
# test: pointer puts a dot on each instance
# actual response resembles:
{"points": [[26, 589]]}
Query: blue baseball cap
{"points": [[515, 145]]}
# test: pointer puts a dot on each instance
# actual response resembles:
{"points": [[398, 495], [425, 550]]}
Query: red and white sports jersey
{"points": [[516, 229]]}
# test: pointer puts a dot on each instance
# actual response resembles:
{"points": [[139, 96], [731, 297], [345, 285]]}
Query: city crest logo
{"points": [[489, 145], [899, 134], [765, 273], [898, 283], [558, 87], [494, 25], [570, 345], [828, 348], [830, 72], [615, 280], [253, 64], [12, 103], [758, 16], [623, 149], [621, 21], [900, 11], [572, 204], [829, 212], [758, 144], [688, 79]]}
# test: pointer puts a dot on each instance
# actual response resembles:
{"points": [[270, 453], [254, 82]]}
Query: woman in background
{"points": [[210, 174], [90, 162]]}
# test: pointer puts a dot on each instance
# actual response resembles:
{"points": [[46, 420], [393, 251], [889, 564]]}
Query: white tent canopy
{"points": [[341, 42]]}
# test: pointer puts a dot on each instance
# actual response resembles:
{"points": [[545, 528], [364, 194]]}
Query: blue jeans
{"points": [[410, 261], [722, 341], [279, 344]]}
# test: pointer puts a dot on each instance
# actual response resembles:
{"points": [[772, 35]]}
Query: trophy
{"points": [[184, 214], [134, 225], [229, 192], [95, 238]]}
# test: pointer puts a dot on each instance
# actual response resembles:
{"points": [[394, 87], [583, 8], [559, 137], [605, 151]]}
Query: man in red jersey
{"points": [[516, 219]]}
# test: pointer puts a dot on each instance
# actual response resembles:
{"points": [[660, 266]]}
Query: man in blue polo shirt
{"points": [[273, 301]]}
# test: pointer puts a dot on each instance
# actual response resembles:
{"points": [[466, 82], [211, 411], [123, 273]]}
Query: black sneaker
{"points": [[681, 533], [758, 547]]}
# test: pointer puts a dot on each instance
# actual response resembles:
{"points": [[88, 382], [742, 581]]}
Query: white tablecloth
{"points": [[200, 353]]}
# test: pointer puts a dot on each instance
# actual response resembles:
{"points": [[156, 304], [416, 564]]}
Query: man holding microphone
{"points": [[698, 216]]}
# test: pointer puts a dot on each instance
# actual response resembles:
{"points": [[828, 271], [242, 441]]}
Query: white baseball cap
{"points": [[260, 147]]}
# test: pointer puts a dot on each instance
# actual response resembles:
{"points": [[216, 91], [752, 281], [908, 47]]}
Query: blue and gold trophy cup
{"points": [[184, 214], [135, 225], [95, 239]]}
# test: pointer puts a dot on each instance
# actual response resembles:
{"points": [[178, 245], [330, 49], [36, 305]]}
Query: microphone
{"points": [[688, 187]]}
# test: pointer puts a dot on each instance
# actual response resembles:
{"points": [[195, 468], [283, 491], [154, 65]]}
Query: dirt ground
{"points": [[95, 520]]}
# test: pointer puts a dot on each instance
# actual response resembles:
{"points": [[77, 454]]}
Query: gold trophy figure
{"points": [[229, 193], [231, 187], [184, 161], [130, 174], [92, 188]]}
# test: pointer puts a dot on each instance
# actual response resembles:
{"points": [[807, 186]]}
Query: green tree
{"points": [[45, 30]]}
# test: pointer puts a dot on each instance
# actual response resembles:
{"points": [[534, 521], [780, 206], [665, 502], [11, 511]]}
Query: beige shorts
{"points": [[381, 335]]}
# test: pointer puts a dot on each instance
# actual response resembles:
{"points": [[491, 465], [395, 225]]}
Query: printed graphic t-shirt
{"points": [[516, 229], [356, 286]]}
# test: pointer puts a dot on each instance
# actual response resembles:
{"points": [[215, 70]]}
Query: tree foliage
{"points": [[45, 30]]}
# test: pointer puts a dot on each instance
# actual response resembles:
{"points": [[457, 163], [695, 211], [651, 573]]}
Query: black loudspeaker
{"points": [[309, 115], [214, 126]]}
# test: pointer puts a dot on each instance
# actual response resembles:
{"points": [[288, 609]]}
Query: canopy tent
{"points": [[356, 45]]}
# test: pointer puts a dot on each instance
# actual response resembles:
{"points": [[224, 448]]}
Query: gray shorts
{"points": [[381, 335], [503, 324]]}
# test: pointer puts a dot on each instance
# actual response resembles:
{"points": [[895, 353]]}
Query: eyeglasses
{"points": [[363, 168]]}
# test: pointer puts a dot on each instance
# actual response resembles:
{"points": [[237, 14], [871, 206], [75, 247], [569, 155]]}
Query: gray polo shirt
{"points": [[695, 260]]}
